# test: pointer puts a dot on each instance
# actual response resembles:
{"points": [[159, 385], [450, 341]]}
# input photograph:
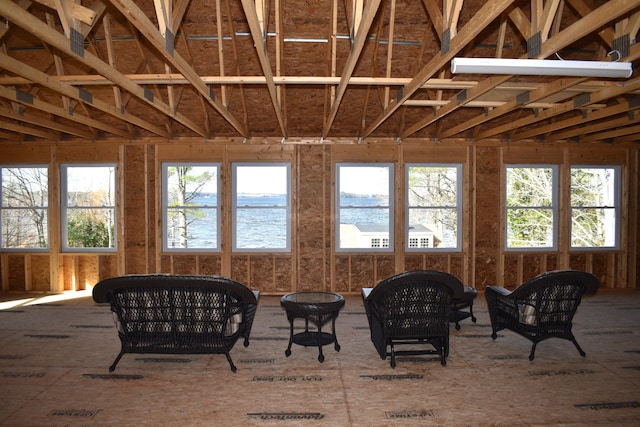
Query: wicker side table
{"points": [[318, 308]]}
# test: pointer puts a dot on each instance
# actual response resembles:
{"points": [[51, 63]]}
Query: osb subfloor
{"points": [[55, 353]]}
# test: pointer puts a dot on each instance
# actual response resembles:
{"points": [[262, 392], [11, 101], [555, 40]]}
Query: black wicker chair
{"points": [[541, 308], [178, 314], [412, 308]]}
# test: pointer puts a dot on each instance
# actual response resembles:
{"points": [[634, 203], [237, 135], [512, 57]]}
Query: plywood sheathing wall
{"points": [[313, 263]]}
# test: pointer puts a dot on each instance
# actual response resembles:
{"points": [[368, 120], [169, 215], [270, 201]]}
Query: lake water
{"points": [[263, 225]]}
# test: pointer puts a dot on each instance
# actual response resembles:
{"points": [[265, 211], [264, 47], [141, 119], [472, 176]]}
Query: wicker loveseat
{"points": [[541, 308], [178, 314]]}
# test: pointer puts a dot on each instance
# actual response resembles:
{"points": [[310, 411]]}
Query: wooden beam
{"points": [[370, 10], [451, 12], [392, 22], [179, 9], [75, 10], [117, 94], [28, 130], [261, 49], [50, 124], [41, 30], [549, 13], [521, 22], [163, 15], [69, 91], [480, 20], [613, 133], [607, 34], [223, 89], [579, 121], [178, 79], [435, 15], [141, 22], [356, 18], [599, 96], [583, 129], [564, 38], [543, 91], [12, 95], [594, 97]]}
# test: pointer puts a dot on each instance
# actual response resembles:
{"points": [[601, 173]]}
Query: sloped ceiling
{"points": [[297, 70]]}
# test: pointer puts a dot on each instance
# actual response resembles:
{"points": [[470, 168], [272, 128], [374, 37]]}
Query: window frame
{"points": [[555, 208], [458, 208], [617, 197], [235, 207], [390, 247], [165, 200], [64, 237], [45, 208]]}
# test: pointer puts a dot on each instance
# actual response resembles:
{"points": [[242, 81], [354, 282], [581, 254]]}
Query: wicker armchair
{"points": [[178, 314], [541, 308], [412, 308]]}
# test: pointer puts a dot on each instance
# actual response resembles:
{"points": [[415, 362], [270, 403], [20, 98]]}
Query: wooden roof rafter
{"points": [[580, 124], [25, 117], [29, 101], [382, 90], [59, 41], [125, 55], [629, 116], [259, 40], [81, 95], [611, 133], [71, 11], [140, 21], [551, 45], [332, 51], [368, 15], [164, 15], [476, 24], [29, 130], [117, 93], [234, 49], [594, 97]]}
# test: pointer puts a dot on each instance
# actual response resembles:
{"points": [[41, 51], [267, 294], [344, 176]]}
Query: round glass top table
{"points": [[318, 308]]}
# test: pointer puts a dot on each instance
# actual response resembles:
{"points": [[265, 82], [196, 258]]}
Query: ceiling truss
{"points": [[331, 71]]}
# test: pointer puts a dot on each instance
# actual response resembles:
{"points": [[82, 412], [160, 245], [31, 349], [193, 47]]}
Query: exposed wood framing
{"points": [[369, 14], [153, 55]]}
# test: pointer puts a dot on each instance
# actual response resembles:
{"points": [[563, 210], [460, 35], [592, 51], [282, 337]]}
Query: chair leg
{"points": [[473, 318], [393, 356], [533, 350], [115, 362], [582, 353], [233, 367]]}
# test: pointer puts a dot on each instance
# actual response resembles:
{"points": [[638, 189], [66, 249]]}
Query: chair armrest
{"points": [[499, 290]]}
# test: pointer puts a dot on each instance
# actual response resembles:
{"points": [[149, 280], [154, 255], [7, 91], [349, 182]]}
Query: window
{"points": [[89, 207], [531, 207], [191, 207], [364, 206], [594, 206], [262, 207], [23, 211], [434, 194]]}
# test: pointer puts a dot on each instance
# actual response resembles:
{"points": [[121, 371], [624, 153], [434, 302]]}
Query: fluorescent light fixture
{"points": [[540, 67]]}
